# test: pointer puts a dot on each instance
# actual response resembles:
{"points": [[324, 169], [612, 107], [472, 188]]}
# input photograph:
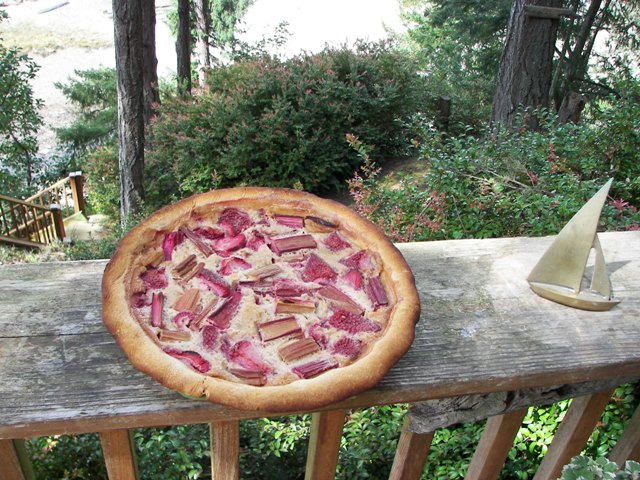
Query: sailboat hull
{"points": [[585, 300]]}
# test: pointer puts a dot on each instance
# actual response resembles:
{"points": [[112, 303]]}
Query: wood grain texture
{"points": [[324, 444], [119, 454], [481, 330], [495, 443], [225, 450], [11, 466], [628, 446], [572, 434], [411, 454]]}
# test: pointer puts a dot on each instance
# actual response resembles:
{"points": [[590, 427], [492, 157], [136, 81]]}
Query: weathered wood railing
{"points": [[485, 347], [28, 224], [39, 219], [68, 193]]}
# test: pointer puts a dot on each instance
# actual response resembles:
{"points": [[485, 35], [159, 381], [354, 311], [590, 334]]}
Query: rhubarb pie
{"points": [[261, 299]]}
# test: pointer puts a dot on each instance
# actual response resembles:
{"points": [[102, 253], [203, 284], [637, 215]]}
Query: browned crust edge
{"points": [[330, 387]]}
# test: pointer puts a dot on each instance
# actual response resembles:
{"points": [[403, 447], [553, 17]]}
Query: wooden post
{"points": [[324, 445], [14, 463], [58, 224], [119, 454], [444, 113], [628, 446], [411, 454], [225, 450], [494, 445], [77, 182], [573, 433]]}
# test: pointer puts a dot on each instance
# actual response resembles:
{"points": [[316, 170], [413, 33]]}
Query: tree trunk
{"points": [[183, 48], [127, 20], [526, 64], [203, 29], [150, 66]]}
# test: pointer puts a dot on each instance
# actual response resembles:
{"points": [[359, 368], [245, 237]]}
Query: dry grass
{"points": [[45, 40]]}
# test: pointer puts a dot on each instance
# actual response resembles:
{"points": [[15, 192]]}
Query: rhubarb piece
{"points": [[285, 287], [193, 272], [289, 244], [278, 328], [292, 221], [319, 225], [318, 333], [335, 242], [171, 240], [255, 241], [185, 265], [174, 336], [361, 260], [376, 292], [257, 286], [214, 282], [317, 269], [263, 272], [208, 233], [140, 299], [339, 299], [197, 241], [294, 305], [234, 221], [210, 334], [182, 319], [222, 315], [315, 367], [352, 322], [233, 264], [245, 354], [190, 358], [154, 278], [227, 245], [198, 320], [157, 302], [251, 377], [188, 300], [347, 346], [354, 279], [298, 349]]}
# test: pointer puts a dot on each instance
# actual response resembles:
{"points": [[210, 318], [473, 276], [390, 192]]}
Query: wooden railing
{"points": [[39, 219], [486, 347], [68, 193]]}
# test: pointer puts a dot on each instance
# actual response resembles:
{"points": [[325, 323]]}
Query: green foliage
{"points": [[510, 183], [457, 44], [103, 180], [281, 123], [94, 96], [67, 457], [586, 468], [19, 121]]}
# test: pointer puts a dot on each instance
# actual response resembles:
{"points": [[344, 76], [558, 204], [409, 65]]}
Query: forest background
{"points": [[506, 117]]}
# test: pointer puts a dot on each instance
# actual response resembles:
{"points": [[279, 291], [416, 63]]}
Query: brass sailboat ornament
{"points": [[559, 273]]}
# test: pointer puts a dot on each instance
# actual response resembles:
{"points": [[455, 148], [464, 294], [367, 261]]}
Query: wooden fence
{"points": [[39, 219]]}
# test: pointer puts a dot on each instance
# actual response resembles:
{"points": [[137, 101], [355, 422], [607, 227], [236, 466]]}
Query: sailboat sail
{"points": [[559, 273]]}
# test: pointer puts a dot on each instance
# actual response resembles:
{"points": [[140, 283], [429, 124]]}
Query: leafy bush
{"points": [[506, 183], [19, 121], [281, 123], [585, 468]]}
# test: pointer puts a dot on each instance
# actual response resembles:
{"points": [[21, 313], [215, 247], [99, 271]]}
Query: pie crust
{"points": [[138, 338]]}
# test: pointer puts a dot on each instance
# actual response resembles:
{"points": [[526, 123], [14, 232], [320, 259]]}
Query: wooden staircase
{"points": [[39, 220]]}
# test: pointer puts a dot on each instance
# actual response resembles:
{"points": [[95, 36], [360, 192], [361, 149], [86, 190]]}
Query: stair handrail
{"points": [[30, 224], [57, 194]]}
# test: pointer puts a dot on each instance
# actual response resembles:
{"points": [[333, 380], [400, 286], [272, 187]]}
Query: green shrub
{"points": [[506, 183], [281, 123], [585, 468]]}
